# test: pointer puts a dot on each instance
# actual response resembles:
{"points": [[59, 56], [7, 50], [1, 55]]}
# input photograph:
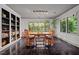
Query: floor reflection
{"points": [[60, 48]]}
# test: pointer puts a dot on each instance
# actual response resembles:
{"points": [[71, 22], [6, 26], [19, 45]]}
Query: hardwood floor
{"points": [[60, 48]]}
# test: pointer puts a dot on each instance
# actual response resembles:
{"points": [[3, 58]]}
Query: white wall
{"points": [[69, 37]]}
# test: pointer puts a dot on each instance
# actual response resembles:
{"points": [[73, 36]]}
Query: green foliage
{"points": [[42, 26], [39, 27], [53, 23], [72, 24], [63, 25]]}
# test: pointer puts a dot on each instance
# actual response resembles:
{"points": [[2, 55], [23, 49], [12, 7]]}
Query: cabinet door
{"points": [[18, 48], [5, 51], [13, 49]]}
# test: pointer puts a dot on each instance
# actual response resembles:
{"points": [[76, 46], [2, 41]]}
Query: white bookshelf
{"points": [[8, 17]]}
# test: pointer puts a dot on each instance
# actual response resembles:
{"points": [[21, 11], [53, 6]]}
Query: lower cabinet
{"points": [[13, 49], [18, 48], [5, 51]]}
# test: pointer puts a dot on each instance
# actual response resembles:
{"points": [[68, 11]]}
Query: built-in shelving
{"points": [[13, 27], [13, 49], [9, 30], [5, 27], [18, 47], [10, 27], [18, 27]]}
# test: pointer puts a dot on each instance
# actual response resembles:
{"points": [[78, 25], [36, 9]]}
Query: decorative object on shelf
{"points": [[4, 42], [4, 35], [4, 15]]}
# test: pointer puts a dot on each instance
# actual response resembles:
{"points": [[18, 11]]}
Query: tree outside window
{"points": [[63, 25], [72, 24]]}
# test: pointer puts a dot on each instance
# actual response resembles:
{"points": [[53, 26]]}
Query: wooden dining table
{"points": [[40, 33]]}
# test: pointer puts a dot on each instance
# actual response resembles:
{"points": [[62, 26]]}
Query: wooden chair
{"points": [[31, 40]]}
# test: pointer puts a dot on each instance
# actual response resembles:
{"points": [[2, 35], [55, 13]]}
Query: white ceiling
{"points": [[54, 10]]}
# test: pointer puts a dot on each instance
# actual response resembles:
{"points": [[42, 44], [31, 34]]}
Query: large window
{"points": [[39, 27], [71, 23], [44, 26]]}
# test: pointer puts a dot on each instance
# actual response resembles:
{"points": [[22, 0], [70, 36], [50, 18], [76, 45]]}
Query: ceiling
{"points": [[54, 10]]}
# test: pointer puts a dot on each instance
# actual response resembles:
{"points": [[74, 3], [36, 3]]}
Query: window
{"points": [[44, 26], [72, 24], [39, 27], [63, 25], [31, 26]]}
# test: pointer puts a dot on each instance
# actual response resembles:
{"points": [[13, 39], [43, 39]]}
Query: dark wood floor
{"points": [[60, 48]]}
